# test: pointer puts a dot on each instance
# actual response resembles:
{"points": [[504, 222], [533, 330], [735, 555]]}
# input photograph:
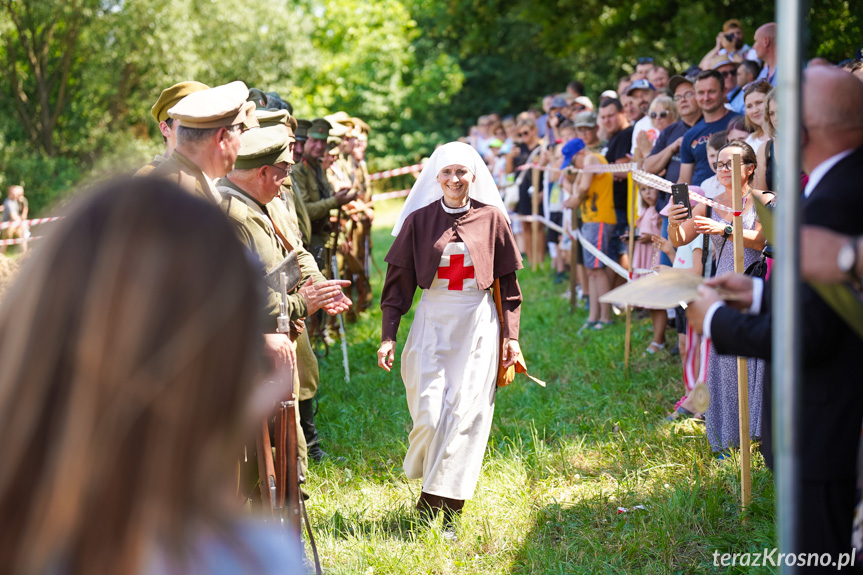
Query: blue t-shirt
{"points": [[693, 150]]}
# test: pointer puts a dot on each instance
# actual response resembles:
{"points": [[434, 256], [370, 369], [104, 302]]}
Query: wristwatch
{"points": [[727, 232], [846, 260]]}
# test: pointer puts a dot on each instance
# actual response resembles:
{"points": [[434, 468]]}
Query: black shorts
{"points": [[553, 236], [680, 319]]}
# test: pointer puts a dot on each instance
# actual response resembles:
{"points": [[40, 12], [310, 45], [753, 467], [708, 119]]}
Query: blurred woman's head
{"points": [[754, 97], [737, 130], [772, 113], [131, 341], [663, 112]]}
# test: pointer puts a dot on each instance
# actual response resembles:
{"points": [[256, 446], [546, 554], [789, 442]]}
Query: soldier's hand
{"points": [[321, 294], [345, 195], [341, 304], [280, 349], [386, 354]]}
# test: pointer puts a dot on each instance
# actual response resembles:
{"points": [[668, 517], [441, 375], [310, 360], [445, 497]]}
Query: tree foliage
{"points": [[80, 76]]}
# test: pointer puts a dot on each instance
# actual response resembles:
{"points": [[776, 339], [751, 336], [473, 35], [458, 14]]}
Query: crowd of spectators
{"points": [[671, 125], [683, 127]]}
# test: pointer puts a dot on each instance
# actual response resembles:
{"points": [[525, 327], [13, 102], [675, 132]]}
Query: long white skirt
{"points": [[449, 367]]}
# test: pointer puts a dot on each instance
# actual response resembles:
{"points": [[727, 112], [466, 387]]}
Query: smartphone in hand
{"points": [[680, 197]]}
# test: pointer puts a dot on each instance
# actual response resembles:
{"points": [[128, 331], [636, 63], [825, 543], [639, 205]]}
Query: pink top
{"points": [[650, 222]]}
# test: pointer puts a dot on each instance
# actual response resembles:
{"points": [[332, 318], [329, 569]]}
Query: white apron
{"points": [[449, 367]]}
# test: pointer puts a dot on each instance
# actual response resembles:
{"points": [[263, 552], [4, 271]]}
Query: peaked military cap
{"points": [[216, 107], [170, 96], [264, 146], [301, 132], [320, 129]]}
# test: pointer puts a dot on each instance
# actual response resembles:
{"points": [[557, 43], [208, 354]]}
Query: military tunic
{"points": [[183, 172], [146, 169], [297, 208], [254, 224]]}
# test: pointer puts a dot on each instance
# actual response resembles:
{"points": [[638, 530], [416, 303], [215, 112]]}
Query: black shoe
{"points": [[317, 454]]}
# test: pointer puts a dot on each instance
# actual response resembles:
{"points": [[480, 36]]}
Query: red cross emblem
{"points": [[456, 272]]}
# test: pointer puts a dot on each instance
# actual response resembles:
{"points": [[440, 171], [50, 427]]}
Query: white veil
{"points": [[427, 189]]}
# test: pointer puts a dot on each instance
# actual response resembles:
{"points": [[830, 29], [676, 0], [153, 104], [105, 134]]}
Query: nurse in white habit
{"points": [[453, 239]]}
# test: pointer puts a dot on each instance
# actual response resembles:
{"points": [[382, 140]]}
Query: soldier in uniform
{"points": [[208, 138], [167, 100], [317, 193], [251, 198], [291, 216]]}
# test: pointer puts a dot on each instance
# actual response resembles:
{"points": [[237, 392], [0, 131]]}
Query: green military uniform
{"points": [[286, 215], [258, 227], [301, 133], [317, 195], [183, 172]]}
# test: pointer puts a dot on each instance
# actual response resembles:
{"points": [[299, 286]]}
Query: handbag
{"points": [[505, 375]]}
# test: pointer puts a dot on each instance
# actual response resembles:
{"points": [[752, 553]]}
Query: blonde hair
{"points": [[130, 341]]}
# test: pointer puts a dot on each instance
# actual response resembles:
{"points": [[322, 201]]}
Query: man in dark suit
{"points": [[831, 402]]}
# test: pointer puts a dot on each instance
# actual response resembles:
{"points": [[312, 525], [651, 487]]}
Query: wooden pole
{"points": [[631, 196], [535, 226], [742, 368]]}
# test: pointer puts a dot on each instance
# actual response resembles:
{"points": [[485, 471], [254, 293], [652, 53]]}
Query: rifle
{"points": [[281, 479], [342, 335]]}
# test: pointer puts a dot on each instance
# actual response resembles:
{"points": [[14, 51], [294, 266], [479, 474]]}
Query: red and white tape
{"points": [[592, 169], [390, 195], [14, 241], [35, 222], [663, 185], [397, 172]]}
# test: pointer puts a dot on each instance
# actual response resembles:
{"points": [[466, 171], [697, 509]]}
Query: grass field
{"points": [[559, 463]]}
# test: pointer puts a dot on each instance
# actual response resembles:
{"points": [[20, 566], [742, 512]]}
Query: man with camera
{"points": [[730, 45]]}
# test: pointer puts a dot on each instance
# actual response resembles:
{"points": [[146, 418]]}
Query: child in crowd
{"points": [[711, 186], [686, 257], [645, 256], [497, 162], [554, 209]]}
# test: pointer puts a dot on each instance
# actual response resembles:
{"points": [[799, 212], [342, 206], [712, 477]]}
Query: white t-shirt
{"points": [[712, 187], [643, 125], [683, 259], [756, 143]]}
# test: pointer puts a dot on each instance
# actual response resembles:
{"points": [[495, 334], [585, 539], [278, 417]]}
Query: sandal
{"points": [[679, 411], [600, 325], [587, 325], [653, 348]]}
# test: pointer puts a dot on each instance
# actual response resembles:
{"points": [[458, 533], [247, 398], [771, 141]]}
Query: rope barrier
{"points": [[12, 242], [396, 172], [390, 195], [35, 222]]}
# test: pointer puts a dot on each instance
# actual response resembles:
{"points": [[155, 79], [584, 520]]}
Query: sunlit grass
{"points": [[560, 461]]}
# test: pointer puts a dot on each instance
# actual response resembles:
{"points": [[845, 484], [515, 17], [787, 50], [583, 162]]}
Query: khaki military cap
{"points": [[301, 132], [258, 96], [264, 146], [340, 118], [268, 118], [320, 129], [216, 107], [360, 126], [170, 96], [292, 124], [339, 130], [333, 145]]}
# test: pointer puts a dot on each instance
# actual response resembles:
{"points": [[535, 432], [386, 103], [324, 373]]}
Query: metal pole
{"points": [[786, 275]]}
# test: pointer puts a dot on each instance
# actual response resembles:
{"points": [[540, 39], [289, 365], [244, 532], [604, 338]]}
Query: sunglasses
{"points": [[663, 114], [729, 73], [686, 95], [725, 166], [524, 133]]}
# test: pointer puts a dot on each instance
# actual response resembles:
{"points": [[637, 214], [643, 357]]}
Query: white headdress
{"points": [[427, 189]]}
